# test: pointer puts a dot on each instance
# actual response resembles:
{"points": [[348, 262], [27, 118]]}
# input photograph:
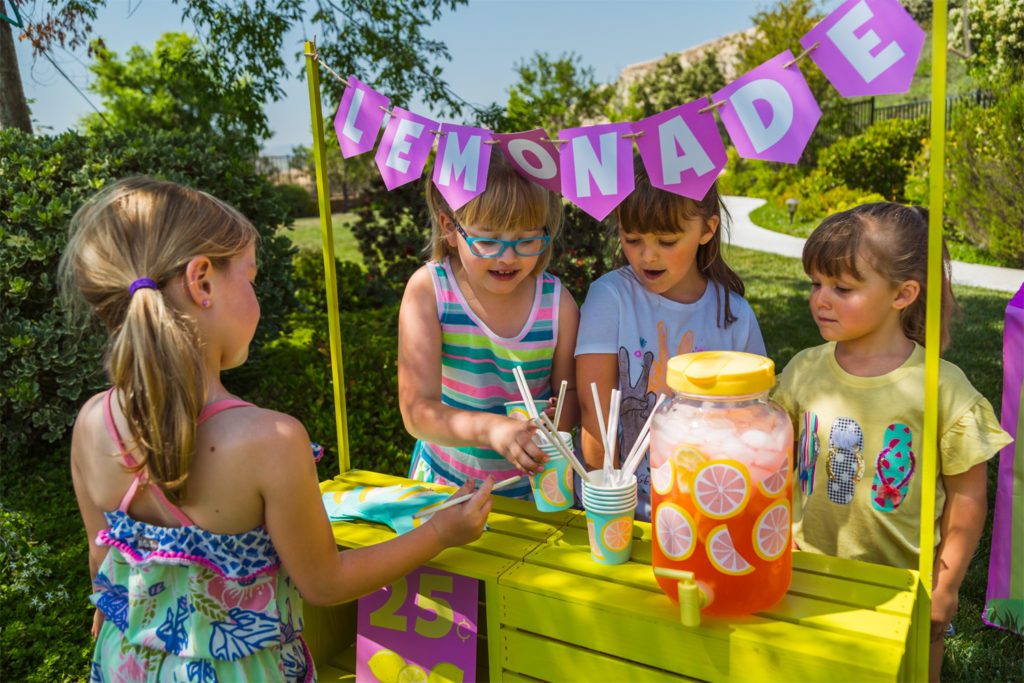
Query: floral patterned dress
{"points": [[184, 604]]}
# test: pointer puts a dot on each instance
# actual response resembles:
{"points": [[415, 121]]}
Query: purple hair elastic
{"points": [[141, 283]]}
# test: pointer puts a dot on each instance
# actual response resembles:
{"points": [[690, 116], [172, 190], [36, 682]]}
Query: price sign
{"points": [[420, 629]]}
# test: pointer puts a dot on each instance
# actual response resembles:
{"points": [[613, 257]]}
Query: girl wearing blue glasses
{"points": [[481, 306]]}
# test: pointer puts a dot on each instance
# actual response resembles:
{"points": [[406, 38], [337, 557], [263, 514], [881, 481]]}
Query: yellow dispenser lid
{"points": [[720, 373]]}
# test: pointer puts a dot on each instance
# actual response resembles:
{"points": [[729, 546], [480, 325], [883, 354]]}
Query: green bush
{"points": [[985, 174], [821, 195], [756, 178], [584, 251], [297, 201], [878, 160], [293, 375], [46, 369], [392, 229]]}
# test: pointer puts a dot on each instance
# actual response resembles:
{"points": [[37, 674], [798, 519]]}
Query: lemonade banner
{"points": [[864, 47], [1004, 604], [420, 629]]}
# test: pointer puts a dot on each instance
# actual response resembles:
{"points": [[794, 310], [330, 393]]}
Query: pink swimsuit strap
{"points": [[140, 475]]}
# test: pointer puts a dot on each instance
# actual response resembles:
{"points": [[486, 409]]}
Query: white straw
{"points": [[636, 453], [451, 502], [613, 435], [558, 406], [524, 389], [600, 422], [545, 427]]}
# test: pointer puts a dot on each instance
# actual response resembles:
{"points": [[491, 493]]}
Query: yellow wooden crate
{"points": [[567, 618]]}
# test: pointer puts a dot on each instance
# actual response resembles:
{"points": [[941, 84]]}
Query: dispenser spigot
{"points": [[691, 596]]}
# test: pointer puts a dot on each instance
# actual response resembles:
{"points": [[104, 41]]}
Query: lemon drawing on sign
{"points": [[386, 665], [550, 489], [595, 547], [723, 554], [445, 672], [674, 530], [412, 674], [771, 531], [721, 488], [661, 477], [616, 533], [774, 483]]}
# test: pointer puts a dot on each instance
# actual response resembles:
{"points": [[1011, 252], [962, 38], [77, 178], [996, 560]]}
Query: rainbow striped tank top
{"points": [[476, 374]]}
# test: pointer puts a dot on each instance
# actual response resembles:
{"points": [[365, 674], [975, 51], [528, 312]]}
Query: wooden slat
{"points": [[552, 660], [643, 626]]}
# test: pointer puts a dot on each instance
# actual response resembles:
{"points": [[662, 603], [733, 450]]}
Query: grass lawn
{"points": [[45, 634], [306, 235]]}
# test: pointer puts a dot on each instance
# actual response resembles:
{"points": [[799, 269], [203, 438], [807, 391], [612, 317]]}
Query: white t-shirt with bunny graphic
{"points": [[645, 330]]}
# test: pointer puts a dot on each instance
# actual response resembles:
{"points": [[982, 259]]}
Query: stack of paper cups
{"points": [[610, 509]]}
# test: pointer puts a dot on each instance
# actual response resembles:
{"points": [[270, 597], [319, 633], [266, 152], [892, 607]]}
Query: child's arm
{"points": [[603, 370], [563, 364], [92, 516], [963, 518], [419, 388], [301, 533]]}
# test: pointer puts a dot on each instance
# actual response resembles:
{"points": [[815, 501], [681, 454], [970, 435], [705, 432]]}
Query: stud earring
{"points": [[206, 303]]}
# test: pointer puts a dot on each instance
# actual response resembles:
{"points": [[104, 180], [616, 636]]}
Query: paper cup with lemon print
{"points": [[611, 534], [518, 410], [552, 490]]}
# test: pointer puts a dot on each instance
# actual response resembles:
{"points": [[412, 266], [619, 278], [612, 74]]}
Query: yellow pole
{"points": [[327, 235], [932, 329]]}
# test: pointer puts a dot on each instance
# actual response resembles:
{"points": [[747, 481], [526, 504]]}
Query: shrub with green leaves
{"points": [[47, 369], [985, 174], [879, 159]]}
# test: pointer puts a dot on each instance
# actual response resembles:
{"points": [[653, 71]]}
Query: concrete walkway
{"points": [[744, 233]]}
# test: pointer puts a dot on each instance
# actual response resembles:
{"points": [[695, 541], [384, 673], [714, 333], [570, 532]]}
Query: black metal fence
{"points": [[863, 114]]}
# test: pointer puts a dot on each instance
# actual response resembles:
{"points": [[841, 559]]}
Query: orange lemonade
{"points": [[721, 486]]}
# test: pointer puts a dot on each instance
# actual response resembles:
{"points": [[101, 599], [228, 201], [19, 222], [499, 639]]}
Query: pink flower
{"points": [[252, 594]]}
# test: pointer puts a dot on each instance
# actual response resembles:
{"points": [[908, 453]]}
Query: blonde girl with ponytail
{"points": [[202, 511]]}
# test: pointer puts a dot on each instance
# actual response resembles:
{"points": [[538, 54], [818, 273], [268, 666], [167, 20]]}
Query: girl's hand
{"points": [[944, 606], [513, 439], [464, 523]]}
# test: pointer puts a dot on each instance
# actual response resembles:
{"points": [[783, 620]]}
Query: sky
{"points": [[486, 39]]}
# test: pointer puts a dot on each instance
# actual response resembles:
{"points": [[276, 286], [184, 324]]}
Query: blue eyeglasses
{"points": [[488, 247]]}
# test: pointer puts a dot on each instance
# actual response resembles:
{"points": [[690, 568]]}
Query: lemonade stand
{"points": [[544, 609]]}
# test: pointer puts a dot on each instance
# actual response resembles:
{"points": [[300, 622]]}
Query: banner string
{"points": [[803, 54]]}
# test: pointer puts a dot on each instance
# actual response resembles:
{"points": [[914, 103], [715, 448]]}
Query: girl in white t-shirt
{"points": [[676, 295]]}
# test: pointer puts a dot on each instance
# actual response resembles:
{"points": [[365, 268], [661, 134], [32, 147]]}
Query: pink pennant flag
{"points": [[682, 149], [533, 155], [769, 112], [867, 47], [359, 118], [460, 169], [597, 167], [404, 149]]}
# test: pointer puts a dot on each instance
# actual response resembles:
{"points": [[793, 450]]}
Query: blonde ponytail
{"points": [[145, 228]]}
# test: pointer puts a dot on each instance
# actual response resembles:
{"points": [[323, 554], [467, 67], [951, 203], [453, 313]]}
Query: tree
{"points": [[993, 42], [553, 94], [672, 83], [381, 40], [13, 107], [178, 86], [780, 27]]}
